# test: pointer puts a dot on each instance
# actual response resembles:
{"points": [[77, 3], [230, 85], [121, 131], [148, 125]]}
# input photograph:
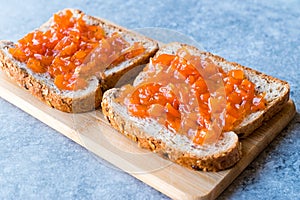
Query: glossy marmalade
{"points": [[71, 50], [185, 92]]}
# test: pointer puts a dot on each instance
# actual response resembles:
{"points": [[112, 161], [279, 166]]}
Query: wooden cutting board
{"points": [[94, 133]]}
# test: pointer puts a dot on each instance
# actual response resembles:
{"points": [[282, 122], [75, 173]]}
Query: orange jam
{"points": [[71, 50], [179, 91]]}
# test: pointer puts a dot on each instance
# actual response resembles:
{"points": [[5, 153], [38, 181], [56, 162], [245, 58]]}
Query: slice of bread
{"points": [[151, 135], [223, 154], [43, 87], [276, 91]]}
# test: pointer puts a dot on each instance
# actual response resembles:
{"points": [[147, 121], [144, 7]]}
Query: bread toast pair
{"points": [[147, 132]]}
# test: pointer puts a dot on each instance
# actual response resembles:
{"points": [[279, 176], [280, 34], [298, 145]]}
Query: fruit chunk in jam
{"points": [[177, 95], [71, 50]]}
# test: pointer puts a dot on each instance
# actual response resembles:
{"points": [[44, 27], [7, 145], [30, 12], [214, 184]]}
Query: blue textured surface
{"points": [[36, 162]]}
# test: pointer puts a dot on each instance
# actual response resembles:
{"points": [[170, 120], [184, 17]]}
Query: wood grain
{"points": [[94, 133]]}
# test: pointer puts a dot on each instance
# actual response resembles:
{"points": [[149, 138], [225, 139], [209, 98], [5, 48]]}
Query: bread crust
{"points": [[84, 103]]}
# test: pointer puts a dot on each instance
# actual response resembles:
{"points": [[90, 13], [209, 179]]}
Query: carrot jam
{"points": [[71, 50], [185, 92]]}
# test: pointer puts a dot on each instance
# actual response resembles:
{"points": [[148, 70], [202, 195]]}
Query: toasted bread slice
{"points": [[223, 154], [151, 135], [43, 87]]}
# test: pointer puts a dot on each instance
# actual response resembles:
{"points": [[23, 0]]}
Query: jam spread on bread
{"points": [[71, 50], [179, 92]]}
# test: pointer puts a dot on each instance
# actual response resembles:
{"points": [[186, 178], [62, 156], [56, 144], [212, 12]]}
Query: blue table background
{"points": [[37, 162]]}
